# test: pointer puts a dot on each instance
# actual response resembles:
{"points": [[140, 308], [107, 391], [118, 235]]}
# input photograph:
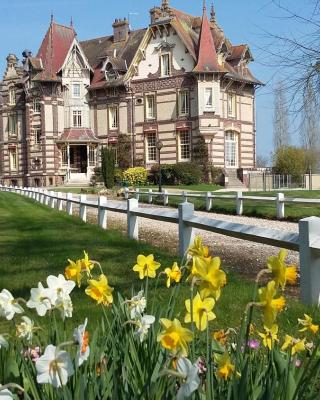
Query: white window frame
{"points": [[36, 106], [64, 156], [232, 104], [13, 159], [77, 118], [208, 98], [12, 97], [76, 95], [37, 139], [92, 156], [185, 145], [150, 107], [12, 125], [165, 68], [151, 147], [183, 103], [231, 149], [113, 118]]}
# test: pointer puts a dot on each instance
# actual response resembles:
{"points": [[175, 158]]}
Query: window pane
{"points": [[64, 156], [13, 158], [36, 106], [185, 145], [76, 90], [152, 149], [77, 118], [37, 136], [231, 104], [150, 107], [165, 64], [184, 102], [208, 97], [113, 115]]}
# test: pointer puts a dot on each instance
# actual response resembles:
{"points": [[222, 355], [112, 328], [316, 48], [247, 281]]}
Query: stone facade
{"points": [[176, 81]]}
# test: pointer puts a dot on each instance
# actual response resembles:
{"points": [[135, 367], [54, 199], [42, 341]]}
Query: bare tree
{"points": [[281, 136]]}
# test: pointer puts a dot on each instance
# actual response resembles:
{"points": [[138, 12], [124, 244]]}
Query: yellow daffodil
{"points": [[220, 336], [86, 264], [173, 274], [307, 324], [197, 249], [73, 272], [175, 337], [270, 336], [208, 276], [146, 266], [297, 345], [201, 310], [225, 368], [282, 273], [100, 290], [270, 305]]}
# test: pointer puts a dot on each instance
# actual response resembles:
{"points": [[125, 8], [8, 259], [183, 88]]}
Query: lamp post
{"points": [[159, 146]]}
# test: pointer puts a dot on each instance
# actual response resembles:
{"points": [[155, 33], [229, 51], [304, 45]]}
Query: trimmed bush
{"points": [[107, 167], [135, 176], [168, 176], [188, 173]]}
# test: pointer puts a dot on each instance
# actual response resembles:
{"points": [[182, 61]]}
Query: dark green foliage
{"points": [[290, 160], [124, 151], [201, 158], [108, 167], [96, 177], [188, 173]]}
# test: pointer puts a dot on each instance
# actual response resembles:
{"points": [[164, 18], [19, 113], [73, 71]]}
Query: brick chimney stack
{"points": [[120, 30]]}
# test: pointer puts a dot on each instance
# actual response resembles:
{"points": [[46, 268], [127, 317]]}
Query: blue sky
{"points": [[23, 24]]}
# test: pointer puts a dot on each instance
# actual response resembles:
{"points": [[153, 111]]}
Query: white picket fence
{"points": [[208, 197], [306, 242]]}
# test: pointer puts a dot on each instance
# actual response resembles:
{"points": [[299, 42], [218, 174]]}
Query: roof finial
{"points": [[165, 4], [212, 13], [51, 16], [204, 7], [71, 22]]}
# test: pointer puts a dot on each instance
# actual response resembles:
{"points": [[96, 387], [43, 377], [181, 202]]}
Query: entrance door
{"points": [[78, 159], [231, 150]]}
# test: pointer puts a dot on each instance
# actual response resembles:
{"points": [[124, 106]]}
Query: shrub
{"points": [[96, 177], [107, 167], [168, 176], [124, 151], [290, 160], [188, 173], [135, 176]]}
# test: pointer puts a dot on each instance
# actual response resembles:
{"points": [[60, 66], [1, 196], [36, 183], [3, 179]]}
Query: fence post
{"points": [[69, 203], [280, 205], [239, 203], [132, 220], [150, 198], [138, 194], [184, 196], [208, 201], [185, 232], [83, 207], [102, 212], [126, 193], [309, 228], [38, 194], [52, 199], [165, 197], [60, 201], [47, 198]]}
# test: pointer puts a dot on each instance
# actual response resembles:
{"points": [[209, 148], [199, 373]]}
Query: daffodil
{"points": [[297, 345], [81, 337], [201, 311], [197, 249], [175, 337], [270, 305], [143, 325], [146, 266], [8, 305], [100, 290], [282, 272], [270, 336], [25, 328], [307, 324], [137, 305], [41, 299], [220, 336], [190, 375], [59, 285], [208, 276], [5, 394], [73, 272], [86, 264], [173, 274], [225, 367]]}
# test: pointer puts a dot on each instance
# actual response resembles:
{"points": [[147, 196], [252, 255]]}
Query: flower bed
{"points": [[141, 351]]}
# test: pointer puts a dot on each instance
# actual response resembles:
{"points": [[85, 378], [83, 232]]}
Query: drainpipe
{"points": [[133, 130]]}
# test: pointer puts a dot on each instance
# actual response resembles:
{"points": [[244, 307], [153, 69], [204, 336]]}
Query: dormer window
{"points": [[76, 90], [12, 97], [165, 65], [110, 73], [208, 99]]}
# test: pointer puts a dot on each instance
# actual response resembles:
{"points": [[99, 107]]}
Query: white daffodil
{"points": [[60, 286], [54, 367], [8, 305], [191, 379], [25, 329], [81, 337], [144, 323], [137, 305], [65, 306], [5, 394], [3, 342], [41, 299]]}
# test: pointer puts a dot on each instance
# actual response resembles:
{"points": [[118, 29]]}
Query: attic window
{"points": [[12, 97], [110, 73]]}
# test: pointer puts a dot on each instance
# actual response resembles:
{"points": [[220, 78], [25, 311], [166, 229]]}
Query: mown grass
{"points": [[36, 241]]}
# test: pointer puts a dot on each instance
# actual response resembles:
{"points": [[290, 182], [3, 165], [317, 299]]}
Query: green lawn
{"points": [[36, 241]]}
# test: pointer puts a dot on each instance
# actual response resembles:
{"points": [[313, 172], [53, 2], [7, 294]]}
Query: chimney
{"points": [[120, 30], [12, 60]]}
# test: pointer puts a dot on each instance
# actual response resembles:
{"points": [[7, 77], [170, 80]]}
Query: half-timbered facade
{"points": [[177, 80]]}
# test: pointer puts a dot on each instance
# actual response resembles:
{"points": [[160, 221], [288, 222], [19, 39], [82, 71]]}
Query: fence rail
{"points": [[307, 241], [279, 200]]}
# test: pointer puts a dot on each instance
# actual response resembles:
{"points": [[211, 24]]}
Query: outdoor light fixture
{"points": [[159, 146]]}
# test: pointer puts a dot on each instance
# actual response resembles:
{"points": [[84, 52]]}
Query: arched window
{"points": [[231, 149]]}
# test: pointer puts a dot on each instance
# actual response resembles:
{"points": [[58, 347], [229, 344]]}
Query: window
{"points": [[64, 156], [152, 147], [150, 107], [113, 118], [185, 145], [36, 106], [37, 135], [13, 158], [12, 97], [92, 156], [165, 65], [184, 102], [231, 104], [12, 125], [208, 99], [76, 90], [77, 118], [231, 150]]}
